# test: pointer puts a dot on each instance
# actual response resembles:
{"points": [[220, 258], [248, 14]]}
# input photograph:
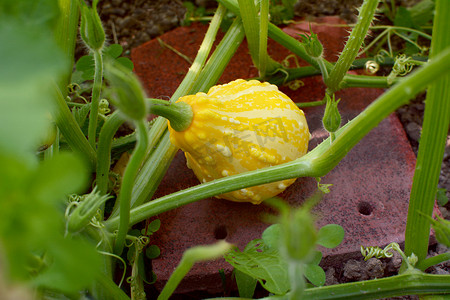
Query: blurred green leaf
{"points": [[152, 251], [263, 263], [271, 236], [62, 175], [31, 12], [154, 226], [331, 235], [75, 265], [315, 274], [86, 65], [441, 197]]}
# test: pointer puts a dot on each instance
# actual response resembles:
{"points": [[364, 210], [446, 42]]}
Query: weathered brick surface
{"points": [[370, 191]]}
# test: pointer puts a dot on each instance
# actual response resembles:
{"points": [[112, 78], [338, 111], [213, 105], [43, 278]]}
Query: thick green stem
{"points": [[249, 15], [263, 27], [127, 184], [353, 45], [202, 54], [66, 35], [95, 99], [106, 136], [316, 163], [432, 261], [279, 36], [405, 284], [432, 144], [297, 278], [155, 168], [219, 59], [179, 114], [70, 129]]}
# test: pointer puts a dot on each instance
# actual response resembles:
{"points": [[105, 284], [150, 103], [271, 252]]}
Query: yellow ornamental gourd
{"points": [[242, 126]]}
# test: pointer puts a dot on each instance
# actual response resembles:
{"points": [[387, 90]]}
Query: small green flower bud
{"points": [[331, 118], [91, 28], [312, 45], [85, 211], [126, 92]]}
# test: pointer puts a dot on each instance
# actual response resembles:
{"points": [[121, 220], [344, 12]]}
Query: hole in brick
{"points": [[220, 232], [365, 208]]}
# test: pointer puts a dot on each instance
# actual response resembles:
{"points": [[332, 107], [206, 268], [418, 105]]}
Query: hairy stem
{"points": [[95, 99], [353, 45]]}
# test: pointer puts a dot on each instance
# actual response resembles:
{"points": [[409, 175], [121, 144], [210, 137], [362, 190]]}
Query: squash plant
{"points": [[63, 245]]}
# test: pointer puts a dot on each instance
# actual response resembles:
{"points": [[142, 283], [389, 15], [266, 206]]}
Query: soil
{"points": [[132, 23]]}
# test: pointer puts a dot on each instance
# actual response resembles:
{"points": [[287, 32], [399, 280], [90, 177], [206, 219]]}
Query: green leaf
{"points": [[80, 114], [126, 62], [316, 258], [441, 197], [58, 177], [86, 65], [271, 236], [245, 283], [331, 235], [114, 50], [152, 251], [403, 18], [422, 12], [262, 263], [315, 274], [42, 13], [154, 226], [75, 265]]}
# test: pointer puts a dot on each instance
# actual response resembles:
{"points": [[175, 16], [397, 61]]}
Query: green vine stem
{"points": [[106, 136], [432, 144], [190, 257], [263, 28], [279, 36], [316, 163], [70, 129], [353, 45], [399, 285], [95, 99], [202, 54], [432, 261], [218, 61], [66, 35], [256, 26], [155, 168], [127, 184]]}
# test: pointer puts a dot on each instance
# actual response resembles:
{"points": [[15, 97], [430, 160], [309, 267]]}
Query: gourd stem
{"points": [[179, 114]]}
